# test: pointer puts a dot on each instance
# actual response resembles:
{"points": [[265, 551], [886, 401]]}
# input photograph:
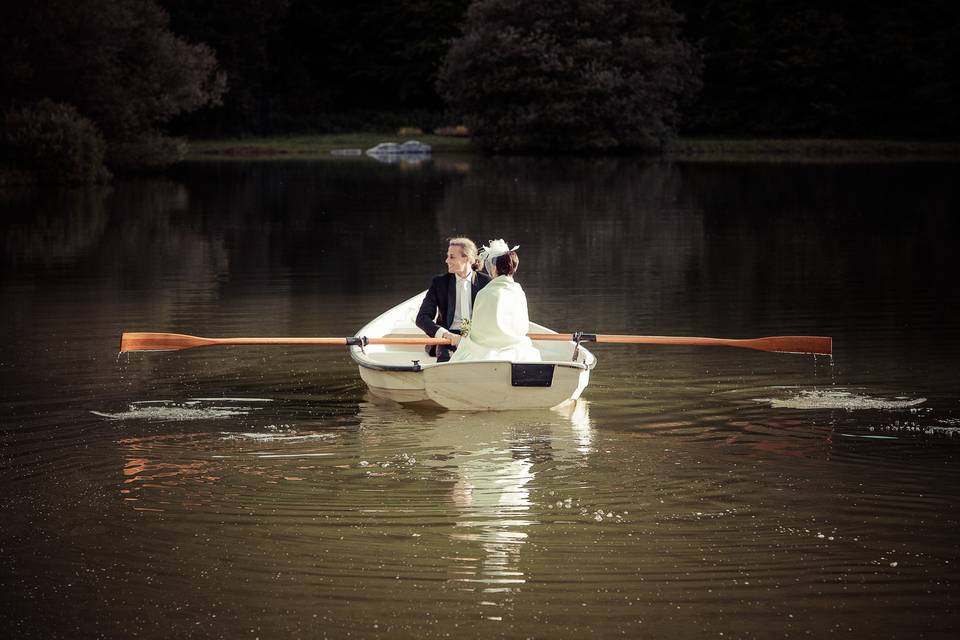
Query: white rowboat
{"points": [[405, 373]]}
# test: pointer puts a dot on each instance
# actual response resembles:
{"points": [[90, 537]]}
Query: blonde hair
{"points": [[469, 250]]}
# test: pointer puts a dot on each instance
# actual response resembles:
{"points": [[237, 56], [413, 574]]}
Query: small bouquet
{"points": [[464, 327]]}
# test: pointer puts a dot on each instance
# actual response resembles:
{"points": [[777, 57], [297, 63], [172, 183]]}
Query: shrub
{"points": [[150, 153], [116, 61], [55, 142], [570, 76]]}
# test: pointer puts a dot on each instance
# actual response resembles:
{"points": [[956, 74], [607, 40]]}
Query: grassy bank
{"points": [[810, 149], [707, 149]]}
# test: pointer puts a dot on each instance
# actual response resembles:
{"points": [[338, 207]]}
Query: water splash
{"points": [[838, 399], [177, 411], [289, 436]]}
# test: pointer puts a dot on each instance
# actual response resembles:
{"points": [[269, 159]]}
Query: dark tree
{"points": [[570, 75], [242, 33], [298, 65], [383, 55], [116, 61], [860, 68]]}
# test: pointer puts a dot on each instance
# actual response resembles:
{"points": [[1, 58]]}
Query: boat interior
{"points": [[405, 355], [399, 322]]}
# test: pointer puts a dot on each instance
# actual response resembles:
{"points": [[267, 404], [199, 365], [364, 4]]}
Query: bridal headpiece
{"points": [[490, 252]]}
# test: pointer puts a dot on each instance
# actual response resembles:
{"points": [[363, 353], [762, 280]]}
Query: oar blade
{"points": [[820, 345], [160, 342]]}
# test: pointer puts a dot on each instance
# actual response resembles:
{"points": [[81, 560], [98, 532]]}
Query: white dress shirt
{"points": [[462, 308]]}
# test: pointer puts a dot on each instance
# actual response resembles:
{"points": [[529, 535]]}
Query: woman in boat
{"points": [[500, 321]]}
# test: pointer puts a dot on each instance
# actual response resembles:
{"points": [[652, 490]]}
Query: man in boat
{"points": [[449, 300]]}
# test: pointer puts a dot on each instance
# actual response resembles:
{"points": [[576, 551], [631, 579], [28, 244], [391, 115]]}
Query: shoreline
{"points": [[682, 149], [810, 149]]}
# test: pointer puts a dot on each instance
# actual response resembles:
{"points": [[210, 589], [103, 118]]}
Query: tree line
{"points": [[858, 68], [525, 74]]}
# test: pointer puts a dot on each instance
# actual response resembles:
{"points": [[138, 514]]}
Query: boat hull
{"points": [[477, 386], [473, 386], [399, 386]]}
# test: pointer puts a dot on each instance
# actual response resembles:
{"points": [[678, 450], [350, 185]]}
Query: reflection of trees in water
{"points": [[730, 248], [135, 258], [243, 217], [139, 229], [50, 227], [585, 223], [734, 244], [157, 239], [346, 218], [157, 249], [803, 237]]}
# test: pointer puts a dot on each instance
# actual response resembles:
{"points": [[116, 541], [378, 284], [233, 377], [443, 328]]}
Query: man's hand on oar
{"points": [[780, 344]]}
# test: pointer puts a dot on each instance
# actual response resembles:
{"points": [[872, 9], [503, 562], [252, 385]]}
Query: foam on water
{"points": [[287, 436], [838, 399], [946, 431], [176, 411], [233, 399]]}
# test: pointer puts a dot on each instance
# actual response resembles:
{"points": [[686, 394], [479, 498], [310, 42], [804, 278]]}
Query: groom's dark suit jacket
{"points": [[440, 302]]}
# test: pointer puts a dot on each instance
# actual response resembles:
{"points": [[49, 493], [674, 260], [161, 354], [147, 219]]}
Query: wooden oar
{"points": [[177, 341], [779, 344]]}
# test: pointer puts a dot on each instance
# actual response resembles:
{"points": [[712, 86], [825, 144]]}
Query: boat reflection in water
{"points": [[491, 460]]}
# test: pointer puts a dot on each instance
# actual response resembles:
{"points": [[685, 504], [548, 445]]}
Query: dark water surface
{"points": [[262, 493]]}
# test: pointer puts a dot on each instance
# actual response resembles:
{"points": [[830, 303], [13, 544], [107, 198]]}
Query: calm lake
{"points": [[261, 492]]}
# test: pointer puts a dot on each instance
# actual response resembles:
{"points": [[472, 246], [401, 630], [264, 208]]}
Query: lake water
{"points": [[261, 492]]}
